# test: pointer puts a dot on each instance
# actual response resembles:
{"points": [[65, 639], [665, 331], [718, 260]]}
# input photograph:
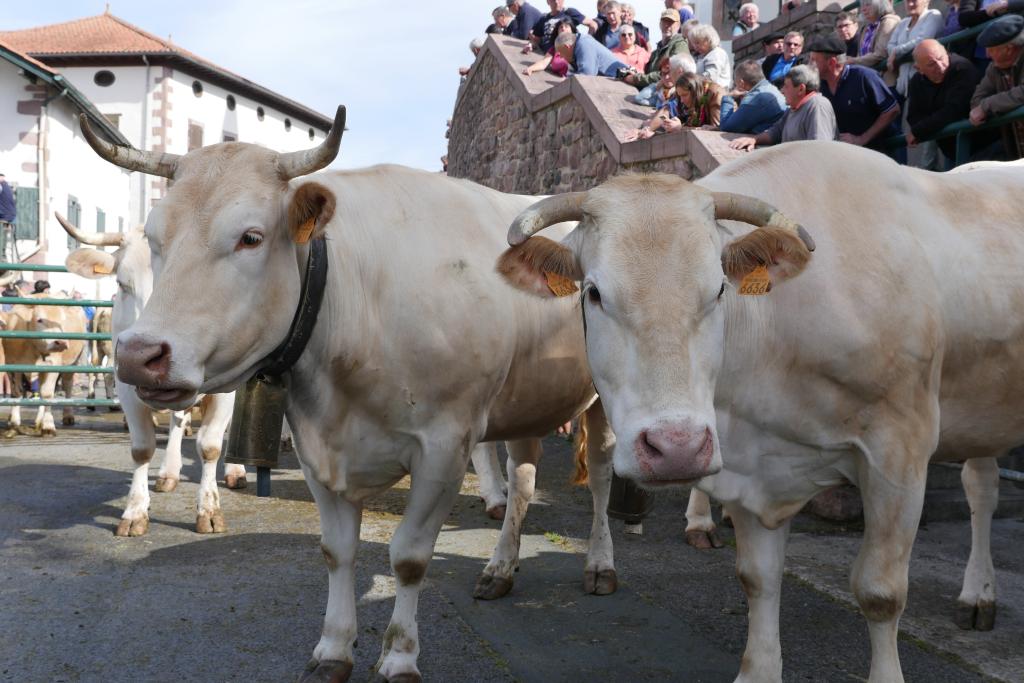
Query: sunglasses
{"points": [[793, 44]]}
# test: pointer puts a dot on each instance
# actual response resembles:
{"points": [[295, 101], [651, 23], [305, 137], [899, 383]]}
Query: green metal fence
{"points": [[31, 334]]}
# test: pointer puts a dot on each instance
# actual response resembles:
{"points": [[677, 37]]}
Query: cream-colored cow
{"points": [[901, 341]]}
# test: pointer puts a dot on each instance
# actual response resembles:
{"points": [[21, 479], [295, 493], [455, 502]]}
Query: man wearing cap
{"points": [[671, 43], [1002, 88], [587, 56], [866, 109], [772, 44], [776, 66], [526, 17], [684, 10], [8, 209]]}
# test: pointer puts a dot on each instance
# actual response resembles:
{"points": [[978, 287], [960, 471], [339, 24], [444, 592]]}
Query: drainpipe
{"points": [[41, 172], [142, 142]]}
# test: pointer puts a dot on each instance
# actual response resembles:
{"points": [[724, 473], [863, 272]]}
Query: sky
{"points": [[397, 72]]}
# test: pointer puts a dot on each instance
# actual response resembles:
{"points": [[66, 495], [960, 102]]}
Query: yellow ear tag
{"points": [[101, 269], [305, 231], [757, 282], [560, 285]]}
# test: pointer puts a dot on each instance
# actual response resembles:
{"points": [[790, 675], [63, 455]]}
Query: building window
{"points": [[260, 113], [197, 88], [75, 218], [115, 120], [230, 137], [231, 102], [195, 136], [101, 220], [104, 78], [287, 125], [120, 224], [312, 134]]}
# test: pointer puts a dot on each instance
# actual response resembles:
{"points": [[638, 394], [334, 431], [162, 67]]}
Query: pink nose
{"points": [[143, 362], [675, 452]]}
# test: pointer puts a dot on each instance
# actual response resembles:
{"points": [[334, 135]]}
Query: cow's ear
{"points": [[309, 212], [541, 267], [780, 253], [91, 263]]}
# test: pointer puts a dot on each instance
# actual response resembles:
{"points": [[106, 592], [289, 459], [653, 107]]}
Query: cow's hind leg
{"points": [[339, 527], [67, 381], [599, 576], [976, 606], [135, 520], [701, 531], [431, 497], [492, 484], [216, 416], [760, 557], [170, 469], [496, 579]]}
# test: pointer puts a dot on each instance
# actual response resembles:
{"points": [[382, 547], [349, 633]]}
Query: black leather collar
{"points": [[281, 359]]}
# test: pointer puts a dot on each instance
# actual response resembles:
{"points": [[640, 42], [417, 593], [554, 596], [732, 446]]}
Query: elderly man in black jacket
{"points": [[940, 94]]}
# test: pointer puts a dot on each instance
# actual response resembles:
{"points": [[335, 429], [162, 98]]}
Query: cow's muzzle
{"points": [[675, 453]]}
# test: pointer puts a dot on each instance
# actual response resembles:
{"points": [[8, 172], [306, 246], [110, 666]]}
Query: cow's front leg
{"points": [[599, 575], [170, 469], [760, 556], [492, 484], [431, 497], [44, 418], [135, 520], [67, 382], [496, 579], [339, 528], [976, 606], [216, 416]]}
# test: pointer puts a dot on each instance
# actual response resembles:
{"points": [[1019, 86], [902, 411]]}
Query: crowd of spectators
{"points": [[875, 76]]}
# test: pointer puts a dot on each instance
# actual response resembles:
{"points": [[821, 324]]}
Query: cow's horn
{"points": [[154, 163], [96, 239], [8, 277], [294, 164], [739, 207], [548, 211]]}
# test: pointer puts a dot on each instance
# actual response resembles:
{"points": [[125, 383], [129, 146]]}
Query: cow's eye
{"points": [[250, 239], [722, 290], [594, 295]]}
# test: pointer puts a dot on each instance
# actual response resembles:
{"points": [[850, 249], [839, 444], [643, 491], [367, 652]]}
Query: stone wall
{"points": [[545, 135], [812, 19]]}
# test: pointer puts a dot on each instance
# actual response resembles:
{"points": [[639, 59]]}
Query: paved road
{"points": [[78, 604]]}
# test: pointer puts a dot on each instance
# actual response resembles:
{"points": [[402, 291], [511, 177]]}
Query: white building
{"points": [[151, 93]]}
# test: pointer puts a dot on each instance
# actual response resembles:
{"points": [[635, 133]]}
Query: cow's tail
{"points": [[581, 475]]}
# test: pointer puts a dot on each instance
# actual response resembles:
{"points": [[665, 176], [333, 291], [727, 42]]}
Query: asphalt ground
{"points": [[79, 604]]}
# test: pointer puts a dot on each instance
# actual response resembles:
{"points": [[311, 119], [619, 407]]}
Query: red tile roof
{"points": [[5, 46]]}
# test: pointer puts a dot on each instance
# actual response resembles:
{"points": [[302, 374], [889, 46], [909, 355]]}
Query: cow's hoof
{"points": [[132, 527], [287, 445], [980, 617], [703, 540], [165, 484], [68, 420], [188, 430], [210, 523], [603, 582], [48, 431], [235, 481], [91, 409], [492, 587], [497, 512], [327, 671], [397, 678]]}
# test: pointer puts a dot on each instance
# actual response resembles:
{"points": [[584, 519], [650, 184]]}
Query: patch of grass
{"points": [[558, 540]]}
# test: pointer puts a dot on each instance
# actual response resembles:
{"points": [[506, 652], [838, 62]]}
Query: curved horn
{"points": [[294, 164], [739, 207], [8, 277], [96, 239], [154, 163], [554, 209]]}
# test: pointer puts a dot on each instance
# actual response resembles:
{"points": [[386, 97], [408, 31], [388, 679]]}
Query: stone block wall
{"points": [[812, 19], [544, 135]]}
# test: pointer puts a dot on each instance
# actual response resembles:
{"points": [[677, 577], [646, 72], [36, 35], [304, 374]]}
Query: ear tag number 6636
{"points": [[757, 282]]}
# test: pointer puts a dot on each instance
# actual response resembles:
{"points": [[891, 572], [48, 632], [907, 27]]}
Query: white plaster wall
{"points": [[14, 153]]}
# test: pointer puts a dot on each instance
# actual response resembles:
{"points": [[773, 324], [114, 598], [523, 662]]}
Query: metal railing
{"points": [[34, 402]]}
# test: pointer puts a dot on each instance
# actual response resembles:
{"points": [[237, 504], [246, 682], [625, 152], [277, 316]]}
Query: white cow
{"points": [[419, 353], [130, 265], [902, 340]]}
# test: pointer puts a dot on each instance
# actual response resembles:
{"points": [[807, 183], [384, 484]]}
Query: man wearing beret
{"points": [[867, 111], [1002, 88]]}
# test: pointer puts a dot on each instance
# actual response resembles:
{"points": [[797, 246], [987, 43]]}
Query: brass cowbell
{"points": [[255, 436]]}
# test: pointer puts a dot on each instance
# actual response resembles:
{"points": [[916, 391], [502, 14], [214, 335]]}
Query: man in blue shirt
{"points": [[867, 111], [587, 56], [761, 105], [543, 35], [8, 209], [526, 17], [776, 66]]}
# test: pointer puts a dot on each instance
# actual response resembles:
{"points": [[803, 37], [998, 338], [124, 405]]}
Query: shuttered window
{"points": [[75, 218], [26, 225], [195, 136]]}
